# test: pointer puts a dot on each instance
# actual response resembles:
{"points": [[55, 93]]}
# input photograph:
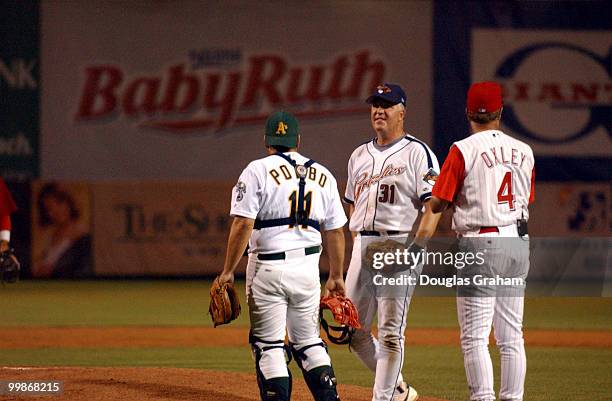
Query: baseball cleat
{"points": [[404, 392]]}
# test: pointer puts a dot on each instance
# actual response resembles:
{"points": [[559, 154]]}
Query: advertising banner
{"points": [[163, 229], [571, 210], [19, 90], [164, 92], [553, 62], [160, 228]]}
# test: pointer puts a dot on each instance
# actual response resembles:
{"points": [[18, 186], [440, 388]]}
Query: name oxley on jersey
{"points": [[268, 188], [382, 182], [497, 183]]}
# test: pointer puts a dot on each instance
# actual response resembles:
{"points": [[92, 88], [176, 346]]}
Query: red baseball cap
{"points": [[484, 97]]}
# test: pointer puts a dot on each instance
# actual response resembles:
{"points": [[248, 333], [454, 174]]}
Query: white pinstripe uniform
{"points": [[490, 158], [387, 189], [494, 193]]}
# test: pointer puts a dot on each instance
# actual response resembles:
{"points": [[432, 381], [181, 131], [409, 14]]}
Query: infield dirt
{"points": [[145, 384]]}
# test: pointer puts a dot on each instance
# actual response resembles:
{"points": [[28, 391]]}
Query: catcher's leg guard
{"points": [[321, 380], [275, 388]]}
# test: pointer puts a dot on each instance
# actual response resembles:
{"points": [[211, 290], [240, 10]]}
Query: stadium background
{"points": [[145, 114]]}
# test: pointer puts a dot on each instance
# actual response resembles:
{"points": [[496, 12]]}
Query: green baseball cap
{"points": [[282, 129]]}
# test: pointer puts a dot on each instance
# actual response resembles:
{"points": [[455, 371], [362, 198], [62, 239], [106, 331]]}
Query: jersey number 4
{"points": [[504, 194], [293, 206]]}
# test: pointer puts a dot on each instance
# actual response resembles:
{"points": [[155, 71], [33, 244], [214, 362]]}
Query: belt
{"points": [[485, 230], [378, 233], [281, 255]]}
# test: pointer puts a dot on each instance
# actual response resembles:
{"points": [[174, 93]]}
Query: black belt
{"points": [[281, 255], [377, 233]]}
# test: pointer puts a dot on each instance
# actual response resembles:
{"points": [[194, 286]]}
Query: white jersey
{"points": [[268, 189], [497, 181], [386, 186]]}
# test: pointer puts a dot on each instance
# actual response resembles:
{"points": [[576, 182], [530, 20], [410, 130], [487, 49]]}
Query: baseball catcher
{"points": [[224, 303], [345, 313]]}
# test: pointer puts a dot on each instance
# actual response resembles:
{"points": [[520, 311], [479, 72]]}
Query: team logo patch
{"points": [[282, 128], [431, 176], [240, 191], [383, 89]]}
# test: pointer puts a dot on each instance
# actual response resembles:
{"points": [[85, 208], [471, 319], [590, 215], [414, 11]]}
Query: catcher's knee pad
{"points": [[271, 357], [311, 355]]}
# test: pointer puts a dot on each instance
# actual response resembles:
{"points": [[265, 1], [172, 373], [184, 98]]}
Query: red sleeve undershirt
{"points": [[451, 177], [7, 206], [532, 192], [5, 222]]}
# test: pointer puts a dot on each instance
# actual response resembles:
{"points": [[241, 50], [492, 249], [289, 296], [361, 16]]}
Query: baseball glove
{"points": [[224, 303], [9, 267], [386, 246]]}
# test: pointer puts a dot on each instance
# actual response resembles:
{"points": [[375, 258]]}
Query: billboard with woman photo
{"points": [[61, 230]]}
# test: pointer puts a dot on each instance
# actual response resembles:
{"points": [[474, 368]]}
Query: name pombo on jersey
{"points": [[497, 155], [283, 172]]}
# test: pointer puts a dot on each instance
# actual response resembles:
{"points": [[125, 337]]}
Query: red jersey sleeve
{"points": [[532, 191], [451, 177], [5, 223], [7, 204]]}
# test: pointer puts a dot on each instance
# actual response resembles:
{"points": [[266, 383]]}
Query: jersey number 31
{"points": [[387, 193]]}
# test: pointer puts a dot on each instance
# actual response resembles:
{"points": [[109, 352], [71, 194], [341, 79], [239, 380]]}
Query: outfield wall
{"points": [[122, 97], [180, 228]]}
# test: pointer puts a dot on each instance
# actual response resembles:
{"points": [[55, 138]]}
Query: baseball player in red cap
{"points": [[489, 179]]}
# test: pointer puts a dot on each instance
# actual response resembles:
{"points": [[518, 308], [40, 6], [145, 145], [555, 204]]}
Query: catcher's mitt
{"points": [[9, 267], [345, 313], [224, 303]]}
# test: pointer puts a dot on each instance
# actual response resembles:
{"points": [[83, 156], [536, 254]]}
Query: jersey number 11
{"points": [[293, 206]]}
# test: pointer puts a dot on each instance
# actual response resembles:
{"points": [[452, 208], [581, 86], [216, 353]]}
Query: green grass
{"points": [[109, 303], [540, 313], [185, 303], [554, 374]]}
